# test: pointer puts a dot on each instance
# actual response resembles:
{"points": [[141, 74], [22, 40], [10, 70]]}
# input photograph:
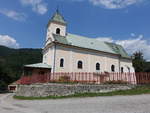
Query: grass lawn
{"points": [[135, 91]]}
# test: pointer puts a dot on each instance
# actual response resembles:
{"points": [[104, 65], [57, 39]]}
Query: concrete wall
{"points": [[48, 56], [89, 58], [127, 65], [65, 89]]}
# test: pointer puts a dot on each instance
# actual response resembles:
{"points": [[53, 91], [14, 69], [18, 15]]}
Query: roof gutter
{"points": [[119, 63]]}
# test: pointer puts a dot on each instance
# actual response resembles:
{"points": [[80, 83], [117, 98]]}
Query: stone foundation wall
{"points": [[43, 90]]}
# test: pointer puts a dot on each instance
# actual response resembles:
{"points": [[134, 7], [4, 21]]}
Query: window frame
{"points": [[80, 64], [98, 66], [122, 70], [129, 70], [113, 68], [58, 31], [62, 62]]}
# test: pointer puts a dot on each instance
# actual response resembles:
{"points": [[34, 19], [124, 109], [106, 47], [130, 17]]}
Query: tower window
{"points": [[97, 66], [58, 31], [61, 62], [80, 65], [113, 68]]}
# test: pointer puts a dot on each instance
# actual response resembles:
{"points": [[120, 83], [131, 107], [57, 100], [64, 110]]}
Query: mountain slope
{"points": [[12, 61]]}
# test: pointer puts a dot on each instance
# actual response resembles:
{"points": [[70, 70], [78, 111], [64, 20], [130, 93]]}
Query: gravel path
{"points": [[2, 95], [115, 104]]}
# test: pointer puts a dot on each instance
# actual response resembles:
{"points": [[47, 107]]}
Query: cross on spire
{"points": [[57, 10]]}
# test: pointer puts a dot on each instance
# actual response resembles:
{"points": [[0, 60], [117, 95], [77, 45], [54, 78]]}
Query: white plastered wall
{"points": [[127, 65], [89, 58], [48, 56], [52, 29], [112, 60]]}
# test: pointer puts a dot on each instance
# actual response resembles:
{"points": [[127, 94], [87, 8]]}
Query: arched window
{"points": [[113, 68], [122, 70], [61, 62], [128, 69], [80, 65], [57, 31], [97, 66]]}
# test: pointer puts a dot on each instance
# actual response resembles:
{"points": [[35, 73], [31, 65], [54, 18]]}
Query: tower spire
{"points": [[57, 10], [57, 17]]}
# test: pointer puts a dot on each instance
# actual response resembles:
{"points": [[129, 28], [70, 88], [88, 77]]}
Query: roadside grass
{"points": [[135, 91]]}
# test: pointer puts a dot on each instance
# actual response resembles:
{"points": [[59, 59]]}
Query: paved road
{"points": [[116, 104]]}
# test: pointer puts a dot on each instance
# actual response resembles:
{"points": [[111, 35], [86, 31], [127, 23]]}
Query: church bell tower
{"points": [[57, 25]]}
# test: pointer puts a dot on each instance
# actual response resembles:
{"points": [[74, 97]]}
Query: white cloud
{"points": [[110, 4], [73, 0], [105, 39], [132, 45], [133, 35], [13, 14], [115, 4], [8, 41], [38, 6]]}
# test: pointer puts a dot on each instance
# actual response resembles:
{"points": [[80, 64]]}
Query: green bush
{"points": [[64, 78], [116, 82]]}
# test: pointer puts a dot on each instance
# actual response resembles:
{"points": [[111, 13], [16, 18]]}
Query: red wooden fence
{"points": [[97, 78]]}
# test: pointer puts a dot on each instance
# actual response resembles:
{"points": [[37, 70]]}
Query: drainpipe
{"points": [[119, 63], [54, 57]]}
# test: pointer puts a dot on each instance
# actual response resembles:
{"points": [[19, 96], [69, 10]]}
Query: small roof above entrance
{"points": [[39, 65]]}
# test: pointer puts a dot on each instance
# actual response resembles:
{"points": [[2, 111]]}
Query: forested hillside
{"points": [[12, 61]]}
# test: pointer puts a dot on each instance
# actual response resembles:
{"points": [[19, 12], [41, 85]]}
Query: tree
{"points": [[139, 62], [4, 79], [147, 67], [12, 61]]}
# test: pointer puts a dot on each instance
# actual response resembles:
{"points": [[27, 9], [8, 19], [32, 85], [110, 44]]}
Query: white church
{"points": [[66, 52]]}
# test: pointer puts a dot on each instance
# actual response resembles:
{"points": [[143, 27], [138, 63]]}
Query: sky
{"points": [[23, 23]]}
